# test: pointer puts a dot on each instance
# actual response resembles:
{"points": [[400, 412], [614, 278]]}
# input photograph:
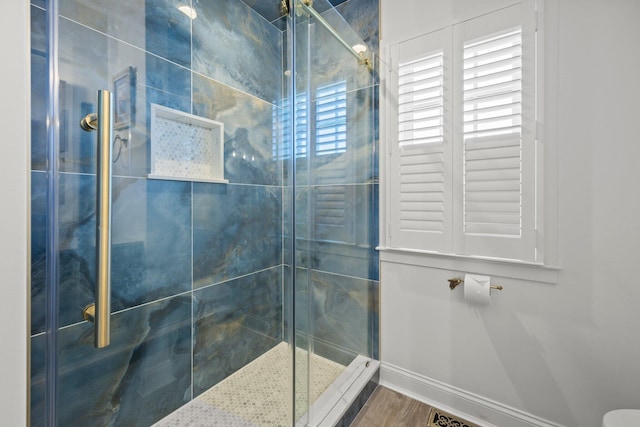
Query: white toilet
{"points": [[622, 418]]}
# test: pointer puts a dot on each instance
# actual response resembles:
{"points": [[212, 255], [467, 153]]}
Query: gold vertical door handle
{"points": [[100, 312]]}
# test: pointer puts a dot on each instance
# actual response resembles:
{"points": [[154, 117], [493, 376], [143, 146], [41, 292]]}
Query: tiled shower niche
{"points": [[186, 147]]}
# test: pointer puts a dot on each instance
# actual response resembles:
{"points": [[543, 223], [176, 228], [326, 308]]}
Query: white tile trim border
{"points": [[469, 406]]}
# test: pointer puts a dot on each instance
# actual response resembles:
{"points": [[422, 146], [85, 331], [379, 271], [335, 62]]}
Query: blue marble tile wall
{"points": [[196, 267], [337, 289]]}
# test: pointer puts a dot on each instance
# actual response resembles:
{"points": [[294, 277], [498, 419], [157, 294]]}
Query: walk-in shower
{"points": [[242, 212]]}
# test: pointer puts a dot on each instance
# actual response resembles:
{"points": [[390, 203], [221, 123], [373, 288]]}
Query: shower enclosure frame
{"points": [[52, 324]]}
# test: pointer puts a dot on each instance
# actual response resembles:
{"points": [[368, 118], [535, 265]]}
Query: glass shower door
{"points": [[145, 370], [196, 258]]}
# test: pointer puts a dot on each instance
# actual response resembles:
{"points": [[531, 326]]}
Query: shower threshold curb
{"points": [[334, 402]]}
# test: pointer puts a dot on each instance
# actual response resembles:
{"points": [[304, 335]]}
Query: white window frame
{"points": [[544, 266]]}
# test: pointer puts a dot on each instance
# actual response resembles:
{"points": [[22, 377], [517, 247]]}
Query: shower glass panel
{"points": [[196, 264], [244, 277], [336, 187]]}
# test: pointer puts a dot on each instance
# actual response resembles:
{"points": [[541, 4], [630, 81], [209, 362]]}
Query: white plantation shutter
{"points": [[421, 139], [496, 121], [330, 123], [421, 101], [330, 208], [492, 187], [332, 213], [420, 199], [301, 137], [331, 119], [492, 92], [281, 120], [462, 170], [421, 188]]}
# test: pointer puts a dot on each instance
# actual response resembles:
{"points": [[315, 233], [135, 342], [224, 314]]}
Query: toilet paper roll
{"points": [[477, 289]]}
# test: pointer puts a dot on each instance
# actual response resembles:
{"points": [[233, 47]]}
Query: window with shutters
{"points": [[330, 209], [328, 203], [281, 119], [463, 167], [330, 110], [331, 119]]}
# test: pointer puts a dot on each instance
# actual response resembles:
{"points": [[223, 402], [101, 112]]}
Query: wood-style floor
{"points": [[387, 408]]}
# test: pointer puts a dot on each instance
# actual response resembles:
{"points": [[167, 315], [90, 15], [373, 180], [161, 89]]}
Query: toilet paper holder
{"points": [[458, 280]]}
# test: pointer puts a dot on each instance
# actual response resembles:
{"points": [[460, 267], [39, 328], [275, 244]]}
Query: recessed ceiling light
{"points": [[189, 11], [359, 48]]}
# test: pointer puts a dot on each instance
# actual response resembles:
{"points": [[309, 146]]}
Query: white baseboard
{"points": [[469, 406]]}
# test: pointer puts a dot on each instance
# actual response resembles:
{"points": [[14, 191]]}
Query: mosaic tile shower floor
{"points": [[258, 394]]}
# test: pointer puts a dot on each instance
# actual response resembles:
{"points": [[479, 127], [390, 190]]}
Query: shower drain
{"points": [[438, 418]]}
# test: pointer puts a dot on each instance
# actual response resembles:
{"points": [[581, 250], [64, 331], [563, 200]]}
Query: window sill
{"points": [[472, 264]]}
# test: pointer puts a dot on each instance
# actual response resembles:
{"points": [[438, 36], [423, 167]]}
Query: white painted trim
{"points": [[383, 145], [471, 264], [464, 404], [548, 124], [14, 190]]}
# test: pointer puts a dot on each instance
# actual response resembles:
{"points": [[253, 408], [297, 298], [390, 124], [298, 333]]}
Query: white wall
{"points": [[14, 167], [565, 352]]}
